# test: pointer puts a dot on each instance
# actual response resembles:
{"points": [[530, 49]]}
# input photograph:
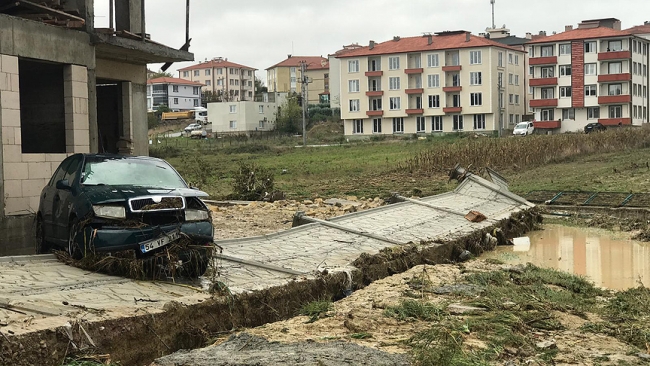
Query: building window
{"points": [[196, 102], [590, 69], [615, 89], [615, 46], [434, 101], [517, 99], [175, 88], [376, 125], [500, 59], [197, 72], [357, 126], [220, 71], [547, 115], [353, 86], [510, 55], [516, 79], [479, 121], [420, 123], [354, 105], [615, 111], [548, 71], [394, 83], [590, 90], [500, 80], [458, 122], [207, 72], [565, 92], [233, 109], [353, 66], [593, 112], [433, 60], [516, 59], [175, 100], [547, 51], [433, 81], [261, 124], [531, 51], [208, 83], [568, 113], [233, 125], [261, 109], [617, 68], [475, 57], [548, 93], [186, 74], [475, 78], [393, 63], [565, 70], [510, 79], [195, 90], [394, 103], [436, 124], [531, 89], [476, 99], [375, 104], [590, 47], [531, 71], [398, 125], [511, 99], [565, 49]]}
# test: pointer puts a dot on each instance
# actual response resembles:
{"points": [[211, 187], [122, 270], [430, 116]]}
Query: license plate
{"points": [[160, 242]]}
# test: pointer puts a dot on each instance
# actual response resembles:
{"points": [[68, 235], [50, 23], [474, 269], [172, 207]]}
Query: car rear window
{"points": [[130, 172]]}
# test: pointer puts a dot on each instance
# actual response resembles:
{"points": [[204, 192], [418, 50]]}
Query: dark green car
{"points": [[112, 203]]}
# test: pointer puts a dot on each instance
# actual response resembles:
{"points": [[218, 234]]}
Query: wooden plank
{"points": [[37, 7]]}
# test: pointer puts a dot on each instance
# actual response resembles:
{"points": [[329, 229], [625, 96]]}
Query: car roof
{"points": [[120, 157]]}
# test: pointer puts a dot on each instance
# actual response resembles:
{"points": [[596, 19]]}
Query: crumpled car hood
{"points": [[111, 194]]}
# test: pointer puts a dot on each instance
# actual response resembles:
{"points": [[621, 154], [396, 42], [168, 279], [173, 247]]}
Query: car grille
{"points": [[156, 203]]}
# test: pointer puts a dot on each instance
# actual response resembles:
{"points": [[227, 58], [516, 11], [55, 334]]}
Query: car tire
{"points": [[73, 247], [197, 263], [42, 246]]}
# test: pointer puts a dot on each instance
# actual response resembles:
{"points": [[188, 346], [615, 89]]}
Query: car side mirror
{"points": [[63, 184]]}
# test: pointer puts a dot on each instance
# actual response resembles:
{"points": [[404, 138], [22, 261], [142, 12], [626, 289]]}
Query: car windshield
{"points": [[522, 126], [130, 172]]}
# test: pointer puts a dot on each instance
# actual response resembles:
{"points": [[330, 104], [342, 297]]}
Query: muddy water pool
{"points": [[609, 259]]}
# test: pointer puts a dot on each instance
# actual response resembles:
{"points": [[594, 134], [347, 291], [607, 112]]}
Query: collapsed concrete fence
{"points": [[259, 284]]}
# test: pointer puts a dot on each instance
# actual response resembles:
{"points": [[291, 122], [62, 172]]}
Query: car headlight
{"points": [[110, 212], [196, 215]]}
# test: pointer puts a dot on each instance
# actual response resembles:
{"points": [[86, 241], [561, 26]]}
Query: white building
{"points": [[245, 117], [177, 94]]}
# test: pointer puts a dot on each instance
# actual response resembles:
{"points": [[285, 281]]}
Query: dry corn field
{"points": [[524, 152]]}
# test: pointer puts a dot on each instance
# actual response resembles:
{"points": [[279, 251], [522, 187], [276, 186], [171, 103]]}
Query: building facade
{"points": [[447, 82], [227, 80], [177, 94], [594, 73], [286, 77], [335, 71], [245, 117]]}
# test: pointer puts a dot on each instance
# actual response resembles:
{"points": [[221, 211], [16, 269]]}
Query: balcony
{"points": [[414, 71], [543, 82], [375, 93], [414, 111], [539, 103], [449, 89], [536, 61], [615, 99], [614, 55], [610, 78], [452, 109], [374, 73], [547, 125], [414, 91], [452, 68], [615, 121], [374, 113]]}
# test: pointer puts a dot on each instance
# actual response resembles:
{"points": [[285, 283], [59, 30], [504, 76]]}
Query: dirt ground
{"points": [[361, 319]]}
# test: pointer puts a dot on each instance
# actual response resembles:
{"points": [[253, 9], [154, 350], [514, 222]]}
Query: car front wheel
{"points": [[42, 246], [73, 246]]}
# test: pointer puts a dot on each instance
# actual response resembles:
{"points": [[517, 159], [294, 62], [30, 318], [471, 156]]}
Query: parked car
{"points": [[112, 203], [523, 129], [193, 126], [594, 127], [199, 134]]}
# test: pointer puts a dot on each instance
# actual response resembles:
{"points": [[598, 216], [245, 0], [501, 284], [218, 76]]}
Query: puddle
{"points": [[608, 260]]}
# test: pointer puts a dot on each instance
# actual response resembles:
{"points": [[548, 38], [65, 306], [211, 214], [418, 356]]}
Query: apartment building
{"points": [[177, 94], [594, 73], [285, 77], [447, 82], [245, 117], [335, 70], [227, 80]]}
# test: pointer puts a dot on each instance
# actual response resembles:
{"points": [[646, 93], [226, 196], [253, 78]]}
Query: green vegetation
{"points": [[315, 309], [87, 362], [363, 335], [412, 309]]}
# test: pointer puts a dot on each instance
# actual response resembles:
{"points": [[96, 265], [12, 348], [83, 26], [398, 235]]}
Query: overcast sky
{"points": [[260, 33]]}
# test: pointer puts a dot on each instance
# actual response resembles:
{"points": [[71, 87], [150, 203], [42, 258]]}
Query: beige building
{"points": [[447, 82], [285, 77], [335, 70], [227, 80], [245, 117], [595, 73]]}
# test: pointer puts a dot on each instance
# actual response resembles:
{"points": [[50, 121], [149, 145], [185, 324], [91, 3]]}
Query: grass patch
{"points": [[363, 335], [315, 309], [413, 309]]}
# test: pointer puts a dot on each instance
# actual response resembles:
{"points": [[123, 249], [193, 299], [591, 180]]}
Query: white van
{"points": [[201, 115]]}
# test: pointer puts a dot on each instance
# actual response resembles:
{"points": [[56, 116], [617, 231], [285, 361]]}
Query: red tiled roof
{"points": [[578, 34], [441, 41], [177, 81], [215, 63], [346, 49], [639, 29], [313, 62]]}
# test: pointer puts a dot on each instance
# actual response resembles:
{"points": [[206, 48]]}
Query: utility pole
{"points": [[305, 99], [501, 116]]}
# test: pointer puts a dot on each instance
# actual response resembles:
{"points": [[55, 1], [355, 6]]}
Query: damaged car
{"points": [[109, 204]]}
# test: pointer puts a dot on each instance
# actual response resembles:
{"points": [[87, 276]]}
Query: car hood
{"points": [[111, 194]]}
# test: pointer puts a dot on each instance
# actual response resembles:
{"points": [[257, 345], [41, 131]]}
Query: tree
{"points": [[289, 118], [158, 74], [259, 87]]}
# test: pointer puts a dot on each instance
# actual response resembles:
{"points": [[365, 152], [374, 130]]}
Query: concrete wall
{"points": [[247, 116]]}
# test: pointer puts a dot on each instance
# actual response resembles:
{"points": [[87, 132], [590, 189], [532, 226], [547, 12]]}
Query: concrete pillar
{"points": [[86, 11], [92, 111], [77, 126], [125, 144], [139, 126], [128, 15]]}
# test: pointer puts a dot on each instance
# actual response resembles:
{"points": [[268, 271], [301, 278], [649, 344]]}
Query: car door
{"points": [[47, 199], [530, 128], [62, 200]]}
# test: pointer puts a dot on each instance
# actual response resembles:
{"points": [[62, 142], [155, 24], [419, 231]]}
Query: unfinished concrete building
{"points": [[67, 87]]}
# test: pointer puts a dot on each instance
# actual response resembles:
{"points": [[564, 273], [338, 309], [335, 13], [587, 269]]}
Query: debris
{"points": [[460, 289], [644, 356], [521, 244], [549, 344], [465, 255], [475, 216], [458, 309]]}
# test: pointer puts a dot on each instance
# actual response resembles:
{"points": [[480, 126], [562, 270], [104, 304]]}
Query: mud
{"points": [[247, 350]]}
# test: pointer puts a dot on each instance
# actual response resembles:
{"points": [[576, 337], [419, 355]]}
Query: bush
{"points": [[252, 182], [164, 152]]}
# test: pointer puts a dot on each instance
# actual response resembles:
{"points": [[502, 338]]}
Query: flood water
{"points": [[608, 259]]}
